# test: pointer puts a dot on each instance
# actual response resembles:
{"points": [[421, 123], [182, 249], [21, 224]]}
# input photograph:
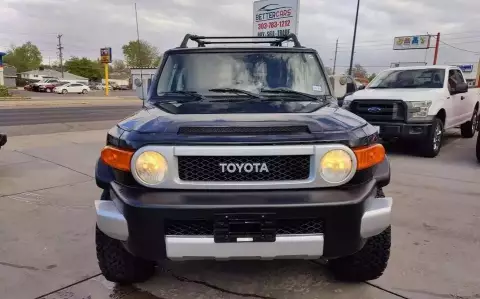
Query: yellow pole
{"points": [[106, 79]]}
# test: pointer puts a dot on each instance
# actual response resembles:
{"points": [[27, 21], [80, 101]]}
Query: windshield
{"points": [[202, 72], [415, 78]]}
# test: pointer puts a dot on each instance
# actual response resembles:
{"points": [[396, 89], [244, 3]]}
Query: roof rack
{"points": [[273, 41]]}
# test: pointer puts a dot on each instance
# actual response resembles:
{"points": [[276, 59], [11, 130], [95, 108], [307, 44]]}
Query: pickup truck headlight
{"points": [[419, 108], [150, 167], [336, 166], [346, 102]]}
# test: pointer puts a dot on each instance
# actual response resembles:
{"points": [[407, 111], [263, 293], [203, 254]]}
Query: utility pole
{"points": [[60, 49], [354, 37], [437, 44], [139, 57], [335, 58]]}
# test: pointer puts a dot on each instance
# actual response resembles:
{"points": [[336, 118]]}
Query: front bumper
{"points": [[3, 139], [403, 130], [139, 218]]}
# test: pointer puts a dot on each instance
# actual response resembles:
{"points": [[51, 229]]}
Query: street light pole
{"points": [[354, 37]]}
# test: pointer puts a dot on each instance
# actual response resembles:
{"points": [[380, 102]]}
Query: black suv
{"points": [[241, 153]]}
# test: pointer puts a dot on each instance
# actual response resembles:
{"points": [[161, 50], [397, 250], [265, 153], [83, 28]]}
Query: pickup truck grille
{"points": [[243, 168], [379, 110]]}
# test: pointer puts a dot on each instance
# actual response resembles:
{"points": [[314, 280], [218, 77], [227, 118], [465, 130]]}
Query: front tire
{"points": [[84, 91], [367, 264], [117, 264], [478, 148], [468, 129], [430, 147], [64, 91]]}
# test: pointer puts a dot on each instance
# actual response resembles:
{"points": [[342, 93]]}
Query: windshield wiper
{"points": [[290, 91], [238, 91], [194, 96]]}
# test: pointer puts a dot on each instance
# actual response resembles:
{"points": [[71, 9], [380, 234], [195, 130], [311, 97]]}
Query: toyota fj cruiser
{"points": [[241, 153]]}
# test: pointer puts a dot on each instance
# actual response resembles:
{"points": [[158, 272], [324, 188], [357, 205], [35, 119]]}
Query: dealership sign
{"points": [[466, 68], [411, 42], [275, 17]]}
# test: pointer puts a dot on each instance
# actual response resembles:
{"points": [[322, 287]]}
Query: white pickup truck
{"points": [[418, 103]]}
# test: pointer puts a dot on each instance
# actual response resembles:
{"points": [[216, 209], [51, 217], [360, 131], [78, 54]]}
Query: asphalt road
{"points": [[33, 116], [53, 96]]}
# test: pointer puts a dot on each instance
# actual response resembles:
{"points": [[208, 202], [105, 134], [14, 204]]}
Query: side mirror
{"points": [[361, 87], [462, 87], [138, 82], [350, 88]]}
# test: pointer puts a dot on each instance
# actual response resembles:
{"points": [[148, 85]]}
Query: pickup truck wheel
{"points": [[367, 264], [468, 129], [431, 146], [117, 264]]}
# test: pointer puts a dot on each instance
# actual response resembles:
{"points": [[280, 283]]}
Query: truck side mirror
{"points": [[350, 88], [361, 87], [140, 90], [462, 87]]}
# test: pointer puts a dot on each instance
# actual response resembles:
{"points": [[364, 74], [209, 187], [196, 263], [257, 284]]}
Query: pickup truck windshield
{"points": [[414, 78], [253, 72]]}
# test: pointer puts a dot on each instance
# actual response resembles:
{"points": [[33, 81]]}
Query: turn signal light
{"points": [[369, 156], [117, 158]]}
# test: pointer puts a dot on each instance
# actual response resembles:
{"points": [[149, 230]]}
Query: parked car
{"points": [[418, 103], [3, 139], [180, 182], [72, 88], [44, 82], [50, 86], [102, 86]]}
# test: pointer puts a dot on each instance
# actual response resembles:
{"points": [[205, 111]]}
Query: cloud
{"points": [[88, 25]]}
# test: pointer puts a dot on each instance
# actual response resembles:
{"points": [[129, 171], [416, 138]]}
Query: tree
{"points": [[25, 58], [372, 76], [358, 71], [140, 54], [84, 67], [118, 66]]}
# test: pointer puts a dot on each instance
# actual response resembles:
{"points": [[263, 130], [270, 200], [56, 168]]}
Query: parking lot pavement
{"points": [[47, 233]]}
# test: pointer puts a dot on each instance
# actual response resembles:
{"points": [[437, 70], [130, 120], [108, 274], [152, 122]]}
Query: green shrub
{"points": [[4, 91]]}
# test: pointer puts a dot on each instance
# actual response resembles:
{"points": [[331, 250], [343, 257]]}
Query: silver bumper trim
{"points": [[185, 248], [110, 220], [377, 216]]}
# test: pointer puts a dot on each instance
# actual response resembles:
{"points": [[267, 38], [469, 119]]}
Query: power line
{"points": [[460, 49]]}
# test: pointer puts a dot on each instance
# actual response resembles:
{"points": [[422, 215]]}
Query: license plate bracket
{"points": [[233, 228]]}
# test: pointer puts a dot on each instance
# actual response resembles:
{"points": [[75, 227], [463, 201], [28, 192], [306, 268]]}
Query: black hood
{"points": [[242, 123]]}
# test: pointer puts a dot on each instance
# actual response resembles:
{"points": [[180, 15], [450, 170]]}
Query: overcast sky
{"points": [[88, 25]]}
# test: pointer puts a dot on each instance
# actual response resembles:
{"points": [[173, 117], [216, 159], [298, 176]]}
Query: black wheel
{"points": [[431, 146], [117, 264], [478, 148], [468, 129], [367, 264], [84, 91], [64, 91]]}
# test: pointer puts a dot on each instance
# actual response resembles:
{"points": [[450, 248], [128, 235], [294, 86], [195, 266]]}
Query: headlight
{"points": [[346, 102], [336, 166], [419, 109], [150, 167]]}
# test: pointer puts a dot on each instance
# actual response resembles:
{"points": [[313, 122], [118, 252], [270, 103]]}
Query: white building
{"points": [[144, 74], [48, 73]]}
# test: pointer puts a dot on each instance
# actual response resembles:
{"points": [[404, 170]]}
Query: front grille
{"points": [[379, 110], [243, 169], [230, 131], [203, 227]]}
